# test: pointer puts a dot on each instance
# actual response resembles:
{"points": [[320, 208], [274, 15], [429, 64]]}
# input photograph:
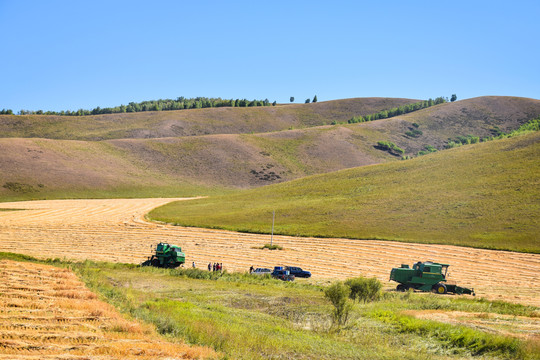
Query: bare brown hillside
{"points": [[158, 124], [189, 165], [478, 117]]}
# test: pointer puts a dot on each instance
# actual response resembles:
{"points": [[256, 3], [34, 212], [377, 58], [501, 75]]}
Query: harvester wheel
{"points": [[441, 288], [155, 262], [401, 287], [146, 263]]}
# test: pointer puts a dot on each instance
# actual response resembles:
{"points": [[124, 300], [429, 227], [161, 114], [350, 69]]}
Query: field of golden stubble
{"points": [[47, 313], [115, 230]]}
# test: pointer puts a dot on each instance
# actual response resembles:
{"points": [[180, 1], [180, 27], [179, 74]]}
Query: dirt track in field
{"points": [[115, 230], [47, 313]]}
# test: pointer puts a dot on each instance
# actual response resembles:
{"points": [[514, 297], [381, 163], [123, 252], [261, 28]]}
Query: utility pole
{"points": [[273, 217]]}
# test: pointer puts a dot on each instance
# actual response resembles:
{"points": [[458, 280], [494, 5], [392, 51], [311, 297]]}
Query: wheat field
{"points": [[115, 230], [47, 313]]}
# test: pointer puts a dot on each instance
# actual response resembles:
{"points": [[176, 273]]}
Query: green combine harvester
{"points": [[426, 276], [166, 256]]}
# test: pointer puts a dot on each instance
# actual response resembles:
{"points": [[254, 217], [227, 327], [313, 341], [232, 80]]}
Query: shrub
{"points": [[19, 187], [272, 247], [364, 289], [428, 149], [414, 133], [390, 147], [338, 295]]}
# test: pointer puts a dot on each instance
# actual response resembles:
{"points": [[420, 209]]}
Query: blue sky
{"points": [[60, 55]]}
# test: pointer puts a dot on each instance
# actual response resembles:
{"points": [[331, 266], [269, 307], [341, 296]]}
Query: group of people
{"points": [[215, 267]]}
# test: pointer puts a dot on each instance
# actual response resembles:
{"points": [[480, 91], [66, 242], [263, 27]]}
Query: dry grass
{"points": [[39, 321]]}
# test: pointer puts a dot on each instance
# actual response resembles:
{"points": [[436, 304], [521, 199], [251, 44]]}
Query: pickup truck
{"points": [[298, 272]]}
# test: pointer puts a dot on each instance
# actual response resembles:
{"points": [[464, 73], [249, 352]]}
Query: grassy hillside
{"points": [[478, 117], [158, 124], [199, 165], [53, 169], [484, 195]]}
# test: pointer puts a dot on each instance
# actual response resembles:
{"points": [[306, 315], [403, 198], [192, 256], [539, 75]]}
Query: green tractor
{"points": [[166, 256], [426, 276]]}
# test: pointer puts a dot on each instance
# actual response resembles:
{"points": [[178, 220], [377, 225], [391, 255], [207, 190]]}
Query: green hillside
{"points": [[483, 195]]}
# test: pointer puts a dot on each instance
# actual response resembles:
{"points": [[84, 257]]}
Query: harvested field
{"points": [[115, 230], [47, 313]]}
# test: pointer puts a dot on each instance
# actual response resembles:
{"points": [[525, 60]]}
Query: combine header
{"points": [[426, 276]]}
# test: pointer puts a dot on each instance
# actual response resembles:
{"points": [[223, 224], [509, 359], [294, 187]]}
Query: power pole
{"points": [[273, 217]]}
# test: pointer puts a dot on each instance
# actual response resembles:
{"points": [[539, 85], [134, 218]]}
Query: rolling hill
{"points": [[482, 195], [209, 164], [193, 122]]}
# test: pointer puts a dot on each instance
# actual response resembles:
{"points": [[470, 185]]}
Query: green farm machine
{"points": [[426, 276], [166, 256]]}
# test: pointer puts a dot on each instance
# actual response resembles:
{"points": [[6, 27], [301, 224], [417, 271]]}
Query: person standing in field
{"points": [[209, 266]]}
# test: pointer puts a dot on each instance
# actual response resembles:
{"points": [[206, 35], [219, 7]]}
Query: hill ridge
{"points": [[204, 164], [191, 122]]}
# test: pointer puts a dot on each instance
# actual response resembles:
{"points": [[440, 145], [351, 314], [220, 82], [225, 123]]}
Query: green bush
{"points": [[390, 147], [338, 295], [19, 187], [272, 247], [364, 289], [414, 133], [428, 149]]}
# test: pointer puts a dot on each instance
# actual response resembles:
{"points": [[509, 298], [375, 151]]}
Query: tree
{"points": [[292, 99], [453, 98], [315, 98], [307, 101]]}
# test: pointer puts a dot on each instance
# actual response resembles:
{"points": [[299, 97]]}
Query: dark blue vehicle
{"points": [[298, 272], [282, 274]]}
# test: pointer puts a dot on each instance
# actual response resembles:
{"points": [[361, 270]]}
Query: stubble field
{"points": [[47, 313], [115, 230]]}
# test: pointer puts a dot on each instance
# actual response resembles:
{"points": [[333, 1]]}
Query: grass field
{"points": [[246, 317], [484, 195]]}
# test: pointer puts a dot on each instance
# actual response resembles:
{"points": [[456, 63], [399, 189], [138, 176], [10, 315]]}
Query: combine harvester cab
{"points": [[166, 256], [426, 276]]}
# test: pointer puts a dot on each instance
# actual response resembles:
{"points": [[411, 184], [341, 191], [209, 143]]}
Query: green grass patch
{"points": [[118, 192], [475, 341], [271, 247], [483, 195]]}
